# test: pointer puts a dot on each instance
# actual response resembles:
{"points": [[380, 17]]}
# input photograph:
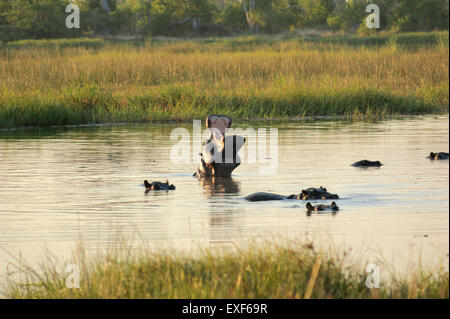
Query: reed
{"points": [[81, 81], [272, 270]]}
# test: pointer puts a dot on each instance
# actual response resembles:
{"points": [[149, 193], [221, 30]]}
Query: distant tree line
{"points": [[46, 18]]}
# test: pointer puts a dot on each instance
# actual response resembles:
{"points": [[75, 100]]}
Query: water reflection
{"points": [[219, 185], [222, 225], [309, 213]]}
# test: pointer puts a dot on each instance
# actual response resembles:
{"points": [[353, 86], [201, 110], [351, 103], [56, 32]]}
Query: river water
{"points": [[61, 186]]}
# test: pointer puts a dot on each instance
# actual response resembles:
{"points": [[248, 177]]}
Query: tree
{"points": [[105, 5], [149, 18], [40, 19], [249, 14], [234, 17], [315, 12], [199, 11], [46, 18], [420, 15]]}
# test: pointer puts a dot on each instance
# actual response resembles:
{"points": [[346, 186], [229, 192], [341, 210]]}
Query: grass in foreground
{"points": [[62, 82], [270, 272]]}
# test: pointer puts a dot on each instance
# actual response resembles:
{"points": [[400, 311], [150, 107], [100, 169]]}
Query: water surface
{"points": [[59, 186]]}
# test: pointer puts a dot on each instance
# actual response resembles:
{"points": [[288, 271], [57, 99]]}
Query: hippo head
{"points": [[218, 124], [156, 186]]}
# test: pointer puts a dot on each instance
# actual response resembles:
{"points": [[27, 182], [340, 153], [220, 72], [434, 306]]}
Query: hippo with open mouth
{"points": [[438, 156], [219, 156], [158, 186], [367, 163], [306, 194]]}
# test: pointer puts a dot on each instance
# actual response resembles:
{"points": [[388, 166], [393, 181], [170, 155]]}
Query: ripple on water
{"points": [[85, 182]]}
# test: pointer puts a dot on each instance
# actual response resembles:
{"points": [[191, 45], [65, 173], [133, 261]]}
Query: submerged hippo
{"points": [[367, 163], [438, 156], [317, 193], [157, 186], [260, 197], [306, 194], [320, 208], [219, 156]]}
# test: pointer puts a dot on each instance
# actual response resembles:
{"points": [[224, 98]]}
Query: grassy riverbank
{"points": [[275, 271], [62, 82]]}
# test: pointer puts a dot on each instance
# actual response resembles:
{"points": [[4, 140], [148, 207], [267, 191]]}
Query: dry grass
{"points": [[57, 82], [288, 270]]}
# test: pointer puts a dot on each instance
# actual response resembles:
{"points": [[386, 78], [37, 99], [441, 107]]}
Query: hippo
{"points": [[306, 194], [156, 186], [438, 156], [367, 163], [219, 156], [259, 197], [320, 208], [316, 193]]}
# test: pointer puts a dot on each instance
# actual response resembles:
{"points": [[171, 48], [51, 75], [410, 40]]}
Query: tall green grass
{"points": [[80, 81], [269, 271], [245, 43]]}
